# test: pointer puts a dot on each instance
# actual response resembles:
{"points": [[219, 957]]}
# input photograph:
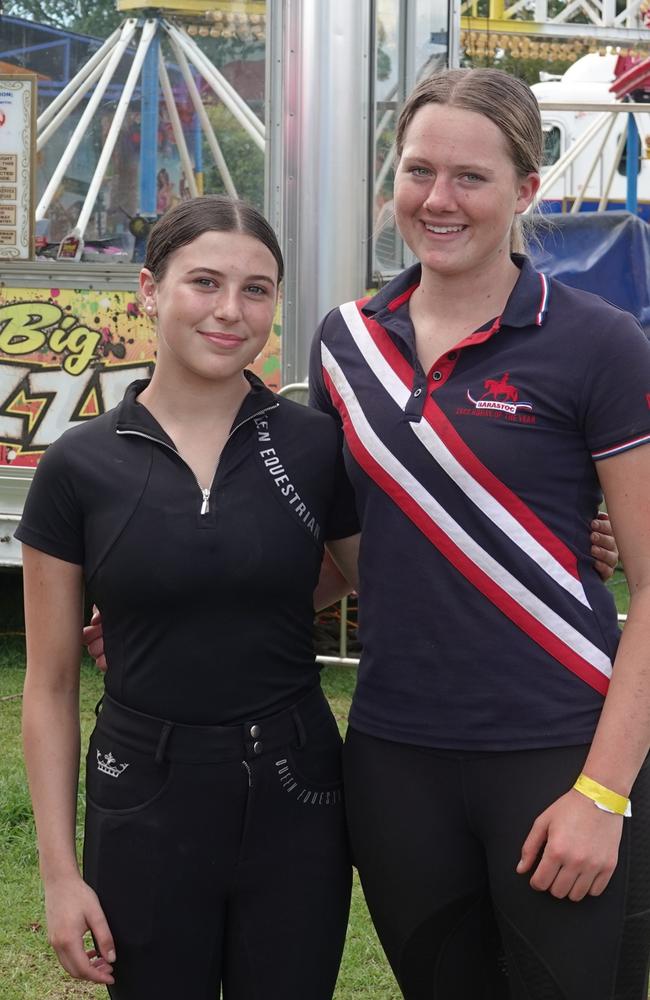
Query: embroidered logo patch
{"points": [[500, 394], [108, 765]]}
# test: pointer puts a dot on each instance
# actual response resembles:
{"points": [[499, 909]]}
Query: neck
{"points": [[186, 399], [466, 299]]}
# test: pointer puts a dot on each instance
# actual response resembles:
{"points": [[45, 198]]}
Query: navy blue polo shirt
{"points": [[484, 624]]}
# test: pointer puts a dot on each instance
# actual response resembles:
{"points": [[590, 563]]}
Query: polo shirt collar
{"points": [[526, 307], [132, 416]]}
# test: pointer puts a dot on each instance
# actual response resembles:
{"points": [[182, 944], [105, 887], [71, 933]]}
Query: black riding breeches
{"points": [[437, 835], [219, 854]]}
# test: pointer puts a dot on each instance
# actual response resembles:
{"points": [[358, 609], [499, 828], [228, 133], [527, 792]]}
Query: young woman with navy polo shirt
{"points": [[195, 513], [499, 729]]}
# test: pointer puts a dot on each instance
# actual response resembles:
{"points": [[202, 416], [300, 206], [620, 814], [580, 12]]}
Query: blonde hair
{"points": [[505, 100]]}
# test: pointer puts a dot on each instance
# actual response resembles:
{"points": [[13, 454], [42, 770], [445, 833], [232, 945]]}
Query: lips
{"points": [[227, 340], [443, 230]]}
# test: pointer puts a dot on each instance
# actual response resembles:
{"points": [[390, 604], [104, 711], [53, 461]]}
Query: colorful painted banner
{"points": [[68, 355]]}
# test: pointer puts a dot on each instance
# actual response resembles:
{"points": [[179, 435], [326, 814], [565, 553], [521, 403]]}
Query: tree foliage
{"points": [[88, 17]]}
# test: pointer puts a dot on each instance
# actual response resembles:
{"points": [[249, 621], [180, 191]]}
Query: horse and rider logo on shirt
{"points": [[500, 395]]}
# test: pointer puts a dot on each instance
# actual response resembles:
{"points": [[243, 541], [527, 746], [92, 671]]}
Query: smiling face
{"points": [[214, 304], [457, 191]]}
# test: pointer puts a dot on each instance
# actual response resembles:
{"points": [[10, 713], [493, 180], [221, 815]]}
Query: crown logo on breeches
{"points": [[109, 765]]}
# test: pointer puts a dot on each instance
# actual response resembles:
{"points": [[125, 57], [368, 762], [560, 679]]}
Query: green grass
{"points": [[28, 968]]}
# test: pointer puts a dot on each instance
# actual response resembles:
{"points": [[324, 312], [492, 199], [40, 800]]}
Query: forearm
{"points": [[622, 739], [51, 742], [53, 609], [332, 585]]}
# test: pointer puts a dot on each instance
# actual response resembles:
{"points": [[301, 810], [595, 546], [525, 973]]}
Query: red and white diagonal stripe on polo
{"points": [[503, 507], [557, 636]]}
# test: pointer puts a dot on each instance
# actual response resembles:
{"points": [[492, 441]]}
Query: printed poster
{"points": [[17, 164]]}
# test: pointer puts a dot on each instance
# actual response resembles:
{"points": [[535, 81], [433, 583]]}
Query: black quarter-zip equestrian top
{"points": [[206, 594]]}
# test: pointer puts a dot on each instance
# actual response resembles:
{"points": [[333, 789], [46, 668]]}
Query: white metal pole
{"points": [[77, 80], [602, 204], [67, 110], [201, 61], [567, 159], [577, 205], [128, 28], [208, 72], [148, 31], [177, 127], [206, 124], [319, 59]]}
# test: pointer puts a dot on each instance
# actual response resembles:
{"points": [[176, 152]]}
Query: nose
{"points": [[228, 304], [441, 196]]}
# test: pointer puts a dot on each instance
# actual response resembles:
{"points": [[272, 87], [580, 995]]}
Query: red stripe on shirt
{"points": [[469, 461], [539, 633]]}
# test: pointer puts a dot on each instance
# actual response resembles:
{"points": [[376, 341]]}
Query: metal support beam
{"points": [[149, 130], [76, 97], [632, 166], [552, 29], [319, 56], [205, 122], [147, 40], [177, 127], [77, 80], [126, 33]]}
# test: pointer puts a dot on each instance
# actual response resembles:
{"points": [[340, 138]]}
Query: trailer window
{"points": [[622, 163], [552, 145]]}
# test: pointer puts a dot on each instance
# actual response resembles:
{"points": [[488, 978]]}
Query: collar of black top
{"points": [[132, 416]]}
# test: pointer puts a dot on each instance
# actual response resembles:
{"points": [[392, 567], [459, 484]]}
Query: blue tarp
{"points": [[603, 252]]}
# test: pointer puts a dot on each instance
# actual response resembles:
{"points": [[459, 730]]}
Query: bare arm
{"points": [[580, 843], [339, 573], [53, 602]]}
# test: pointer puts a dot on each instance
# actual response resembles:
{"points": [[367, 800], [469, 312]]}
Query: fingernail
{"points": [[111, 956]]}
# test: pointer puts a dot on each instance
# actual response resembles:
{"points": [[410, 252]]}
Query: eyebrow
{"points": [[220, 274], [482, 168]]}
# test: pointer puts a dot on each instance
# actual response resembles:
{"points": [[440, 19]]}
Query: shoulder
{"points": [[585, 313], [83, 439], [306, 420], [330, 324], [311, 435]]}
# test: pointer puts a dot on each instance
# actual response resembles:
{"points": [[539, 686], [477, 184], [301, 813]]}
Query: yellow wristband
{"points": [[605, 798]]}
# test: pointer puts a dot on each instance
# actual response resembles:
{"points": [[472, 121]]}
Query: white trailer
{"points": [[596, 177]]}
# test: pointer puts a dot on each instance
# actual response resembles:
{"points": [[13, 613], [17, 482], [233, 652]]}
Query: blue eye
{"points": [[256, 289]]}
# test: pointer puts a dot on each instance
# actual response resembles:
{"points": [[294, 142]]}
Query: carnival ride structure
{"points": [[160, 42]]}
